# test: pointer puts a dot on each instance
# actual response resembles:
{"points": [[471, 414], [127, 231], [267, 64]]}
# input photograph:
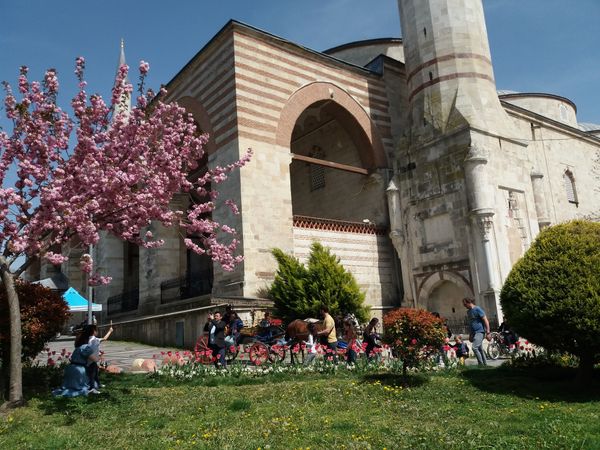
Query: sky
{"points": [[550, 46]]}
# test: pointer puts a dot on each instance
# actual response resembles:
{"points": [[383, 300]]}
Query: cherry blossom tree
{"points": [[117, 173]]}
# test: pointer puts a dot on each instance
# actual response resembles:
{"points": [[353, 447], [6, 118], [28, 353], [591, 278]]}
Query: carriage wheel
{"points": [[493, 350], [258, 353], [277, 353], [297, 353], [203, 351]]}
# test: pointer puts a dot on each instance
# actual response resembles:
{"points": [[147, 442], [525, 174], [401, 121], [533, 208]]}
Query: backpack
{"points": [[466, 350]]}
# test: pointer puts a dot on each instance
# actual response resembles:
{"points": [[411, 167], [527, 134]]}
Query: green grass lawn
{"points": [[494, 408]]}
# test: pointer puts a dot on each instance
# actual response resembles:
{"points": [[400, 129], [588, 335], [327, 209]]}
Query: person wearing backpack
{"points": [[461, 348]]}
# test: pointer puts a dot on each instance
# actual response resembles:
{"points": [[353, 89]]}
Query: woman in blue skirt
{"points": [[75, 380]]}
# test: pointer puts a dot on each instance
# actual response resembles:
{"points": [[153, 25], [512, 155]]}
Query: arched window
{"points": [[570, 187]]}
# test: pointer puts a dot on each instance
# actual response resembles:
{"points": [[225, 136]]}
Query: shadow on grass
{"points": [[546, 383], [39, 383], [393, 379]]}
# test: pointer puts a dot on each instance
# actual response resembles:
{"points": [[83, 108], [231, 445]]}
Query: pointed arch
{"points": [[435, 279], [348, 112], [194, 107]]}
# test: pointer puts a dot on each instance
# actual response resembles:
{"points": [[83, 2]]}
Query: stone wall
{"points": [[367, 254], [181, 324]]}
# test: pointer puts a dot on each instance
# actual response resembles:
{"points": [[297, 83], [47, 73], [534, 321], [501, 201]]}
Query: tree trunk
{"points": [[15, 390], [585, 370]]}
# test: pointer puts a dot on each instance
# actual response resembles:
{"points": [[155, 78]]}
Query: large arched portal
{"points": [[443, 292], [338, 187], [446, 299], [330, 174]]}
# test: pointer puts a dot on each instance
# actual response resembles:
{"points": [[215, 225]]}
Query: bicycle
{"points": [[498, 346]]}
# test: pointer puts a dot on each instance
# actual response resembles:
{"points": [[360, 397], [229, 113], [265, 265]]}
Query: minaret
{"points": [[125, 103], [109, 253], [449, 68], [457, 132]]}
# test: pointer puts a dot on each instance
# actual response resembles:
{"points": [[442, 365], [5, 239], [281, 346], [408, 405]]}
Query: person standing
{"points": [[370, 337], [94, 342], [228, 314], [328, 333], [216, 338], [480, 328], [350, 337], [461, 348], [235, 326], [311, 344]]}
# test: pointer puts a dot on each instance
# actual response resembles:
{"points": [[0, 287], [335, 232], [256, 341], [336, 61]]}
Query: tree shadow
{"points": [[396, 379], [85, 407], [546, 383]]}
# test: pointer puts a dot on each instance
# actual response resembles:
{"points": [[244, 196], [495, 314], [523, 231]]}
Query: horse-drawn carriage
{"points": [[267, 343], [263, 344]]}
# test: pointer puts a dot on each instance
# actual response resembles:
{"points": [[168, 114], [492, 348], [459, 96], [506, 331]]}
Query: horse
{"points": [[297, 330]]}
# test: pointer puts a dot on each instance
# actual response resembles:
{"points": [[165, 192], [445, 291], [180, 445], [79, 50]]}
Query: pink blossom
{"points": [[107, 180], [144, 67], [55, 258], [86, 263]]}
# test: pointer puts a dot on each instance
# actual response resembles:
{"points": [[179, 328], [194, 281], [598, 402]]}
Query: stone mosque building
{"points": [[398, 154]]}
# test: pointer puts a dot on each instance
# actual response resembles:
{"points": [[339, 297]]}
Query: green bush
{"points": [[413, 334], [552, 294], [544, 360], [299, 291]]}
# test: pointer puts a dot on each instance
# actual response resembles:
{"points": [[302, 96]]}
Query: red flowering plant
{"points": [[54, 358], [413, 334]]}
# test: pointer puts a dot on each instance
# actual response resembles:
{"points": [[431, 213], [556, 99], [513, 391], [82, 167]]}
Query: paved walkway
{"points": [[122, 354], [118, 353]]}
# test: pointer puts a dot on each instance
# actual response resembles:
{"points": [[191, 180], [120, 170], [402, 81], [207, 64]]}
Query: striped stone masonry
{"points": [[363, 249]]}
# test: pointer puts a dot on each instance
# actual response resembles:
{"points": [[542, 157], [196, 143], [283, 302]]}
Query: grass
{"points": [[493, 408]]}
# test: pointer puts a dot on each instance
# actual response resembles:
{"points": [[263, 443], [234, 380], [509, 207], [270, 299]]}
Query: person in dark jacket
{"points": [[235, 326], [510, 337], [370, 337], [215, 327]]}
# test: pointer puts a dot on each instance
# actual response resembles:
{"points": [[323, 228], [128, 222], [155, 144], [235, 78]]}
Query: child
{"points": [[462, 349], [92, 368], [350, 337], [311, 344]]}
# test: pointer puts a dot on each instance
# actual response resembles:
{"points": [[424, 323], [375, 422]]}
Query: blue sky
{"points": [[548, 46]]}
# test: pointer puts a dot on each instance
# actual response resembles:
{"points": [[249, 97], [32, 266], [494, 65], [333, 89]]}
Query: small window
{"points": [[570, 187], [564, 113], [317, 172]]}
